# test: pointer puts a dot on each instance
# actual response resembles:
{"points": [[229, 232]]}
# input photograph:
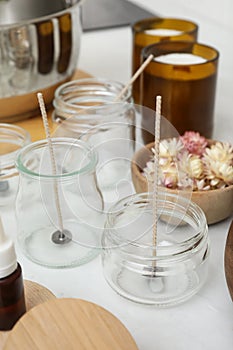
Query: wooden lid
{"points": [[60, 324], [35, 294]]}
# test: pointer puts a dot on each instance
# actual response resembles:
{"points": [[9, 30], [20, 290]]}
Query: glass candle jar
{"points": [[152, 30], [84, 103], [12, 139], [68, 203], [162, 274], [87, 109], [185, 75]]}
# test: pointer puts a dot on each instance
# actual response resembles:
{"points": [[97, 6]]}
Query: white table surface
{"points": [[205, 322]]}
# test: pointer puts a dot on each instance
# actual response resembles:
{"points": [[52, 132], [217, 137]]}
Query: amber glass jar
{"points": [[185, 75], [152, 30]]}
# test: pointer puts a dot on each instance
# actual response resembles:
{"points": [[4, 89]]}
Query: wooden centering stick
{"points": [[134, 77]]}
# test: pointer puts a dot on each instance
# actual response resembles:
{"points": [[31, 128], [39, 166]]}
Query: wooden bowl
{"points": [[216, 204]]}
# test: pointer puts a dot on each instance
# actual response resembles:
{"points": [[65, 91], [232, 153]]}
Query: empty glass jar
{"points": [[84, 103], [91, 110], [59, 215], [162, 274], [12, 139]]}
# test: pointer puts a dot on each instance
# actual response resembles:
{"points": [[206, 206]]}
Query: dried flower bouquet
{"points": [[191, 160]]}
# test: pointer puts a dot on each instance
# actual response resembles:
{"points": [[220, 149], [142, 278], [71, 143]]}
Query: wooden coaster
{"points": [[34, 295], [229, 260], [69, 324]]}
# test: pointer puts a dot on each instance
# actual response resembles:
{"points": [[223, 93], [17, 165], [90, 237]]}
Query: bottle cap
{"points": [[8, 259]]}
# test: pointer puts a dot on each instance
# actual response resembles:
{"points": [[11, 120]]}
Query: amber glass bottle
{"points": [[12, 301]]}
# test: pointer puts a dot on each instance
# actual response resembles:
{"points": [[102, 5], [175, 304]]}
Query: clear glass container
{"points": [[48, 204], [162, 274], [84, 103], [12, 139], [86, 109]]}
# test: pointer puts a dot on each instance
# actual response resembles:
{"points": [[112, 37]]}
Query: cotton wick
{"points": [[134, 77], [58, 236], [156, 167]]}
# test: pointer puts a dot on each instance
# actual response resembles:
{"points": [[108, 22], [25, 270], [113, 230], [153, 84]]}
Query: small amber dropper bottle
{"points": [[12, 301]]}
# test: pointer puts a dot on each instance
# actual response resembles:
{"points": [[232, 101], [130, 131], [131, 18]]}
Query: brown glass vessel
{"points": [[141, 38], [187, 90]]}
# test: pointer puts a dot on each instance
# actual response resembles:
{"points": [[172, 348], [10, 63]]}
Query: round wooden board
{"points": [[34, 295], [69, 324], [229, 260]]}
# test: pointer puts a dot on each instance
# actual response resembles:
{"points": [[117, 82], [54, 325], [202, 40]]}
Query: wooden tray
{"points": [[34, 125], [34, 295], [229, 260], [69, 324]]}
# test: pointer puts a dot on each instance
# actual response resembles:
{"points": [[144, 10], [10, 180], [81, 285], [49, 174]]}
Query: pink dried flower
{"points": [[194, 142]]}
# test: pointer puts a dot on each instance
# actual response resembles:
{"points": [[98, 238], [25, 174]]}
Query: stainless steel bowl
{"points": [[39, 49]]}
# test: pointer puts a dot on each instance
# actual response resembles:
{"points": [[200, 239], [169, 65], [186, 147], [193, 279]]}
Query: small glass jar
{"points": [[53, 210], [86, 109], [162, 274], [12, 139], [85, 103]]}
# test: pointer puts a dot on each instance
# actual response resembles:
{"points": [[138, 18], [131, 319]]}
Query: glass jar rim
{"points": [[146, 51], [181, 247], [59, 103], [20, 134], [152, 20], [60, 140]]}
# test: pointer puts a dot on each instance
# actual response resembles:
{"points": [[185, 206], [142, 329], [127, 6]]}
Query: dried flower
{"points": [[191, 165], [201, 185], [169, 176], [219, 152], [220, 174], [194, 142], [193, 161], [170, 148]]}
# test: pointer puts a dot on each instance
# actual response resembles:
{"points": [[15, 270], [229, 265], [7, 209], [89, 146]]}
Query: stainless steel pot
{"points": [[39, 49]]}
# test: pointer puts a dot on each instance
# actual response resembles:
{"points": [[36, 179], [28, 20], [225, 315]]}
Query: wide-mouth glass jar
{"points": [[91, 110], [185, 74], [12, 139], [162, 274], [84, 103], [68, 202], [156, 29]]}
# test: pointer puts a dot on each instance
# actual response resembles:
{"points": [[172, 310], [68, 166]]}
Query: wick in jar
{"points": [[156, 171], [60, 236], [156, 284]]}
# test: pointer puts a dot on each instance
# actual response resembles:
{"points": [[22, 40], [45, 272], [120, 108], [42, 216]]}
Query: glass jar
{"points": [[86, 109], [185, 75], [152, 30], [59, 215], [162, 274], [12, 139], [84, 103]]}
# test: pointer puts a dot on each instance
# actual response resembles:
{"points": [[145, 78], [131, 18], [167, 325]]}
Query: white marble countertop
{"points": [[205, 322]]}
